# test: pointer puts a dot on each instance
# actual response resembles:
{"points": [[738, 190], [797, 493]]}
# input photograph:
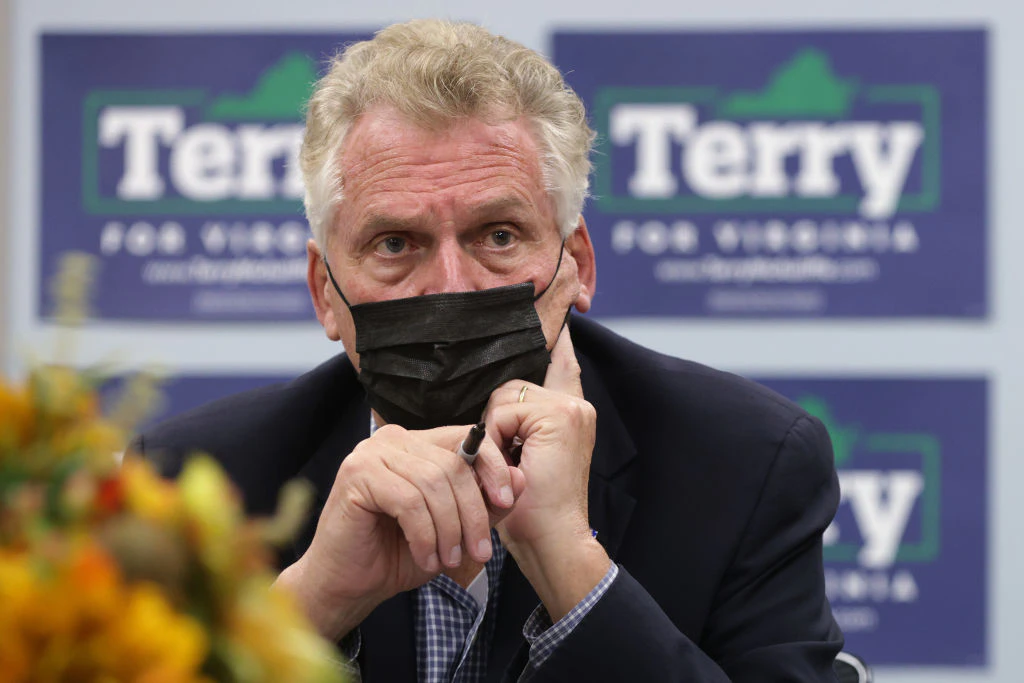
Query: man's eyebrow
{"points": [[380, 222], [499, 205], [383, 222]]}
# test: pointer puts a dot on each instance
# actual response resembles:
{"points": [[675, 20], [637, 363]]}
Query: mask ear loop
{"points": [[558, 265], [568, 311], [338, 289]]}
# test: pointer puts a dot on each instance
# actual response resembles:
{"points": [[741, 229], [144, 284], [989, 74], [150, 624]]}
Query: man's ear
{"points": [[320, 289], [582, 251]]}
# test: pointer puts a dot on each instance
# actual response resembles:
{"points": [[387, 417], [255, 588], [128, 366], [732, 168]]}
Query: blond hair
{"points": [[435, 72]]}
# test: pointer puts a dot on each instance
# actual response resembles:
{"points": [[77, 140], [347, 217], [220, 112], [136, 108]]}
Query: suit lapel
{"points": [[610, 504], [389, 641]]}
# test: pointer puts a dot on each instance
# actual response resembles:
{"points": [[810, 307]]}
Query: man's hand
{"points": [[403, 508], [549, 531]]}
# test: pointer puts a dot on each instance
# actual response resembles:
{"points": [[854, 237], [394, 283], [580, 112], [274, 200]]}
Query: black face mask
{"points": [[433, 360]]}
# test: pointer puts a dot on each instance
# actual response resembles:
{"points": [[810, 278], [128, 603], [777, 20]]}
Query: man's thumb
{"points": [[563, 373]]}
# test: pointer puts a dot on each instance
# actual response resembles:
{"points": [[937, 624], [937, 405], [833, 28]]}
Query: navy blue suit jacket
{"points": [[710, 491]]}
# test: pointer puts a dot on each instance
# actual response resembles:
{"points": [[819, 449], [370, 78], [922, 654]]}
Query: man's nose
{"points": [[451, 269]]}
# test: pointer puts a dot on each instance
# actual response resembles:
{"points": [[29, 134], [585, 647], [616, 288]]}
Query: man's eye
{"points": [[501, 238], [391, 245]]}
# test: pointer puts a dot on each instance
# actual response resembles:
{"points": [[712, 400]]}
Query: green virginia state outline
{"points": [[805, 86], [280, 94]]}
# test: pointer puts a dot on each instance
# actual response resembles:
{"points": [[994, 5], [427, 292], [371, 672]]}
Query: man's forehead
{"points": [[388, 216], [394, 170], [384, 128]]}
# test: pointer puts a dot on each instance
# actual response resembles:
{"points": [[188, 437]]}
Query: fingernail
{"points": [[456, 556], [506, 495], [433, 563], [483, 549]]}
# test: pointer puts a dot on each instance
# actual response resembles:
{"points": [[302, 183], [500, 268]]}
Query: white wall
{"points": [[990, 347]]}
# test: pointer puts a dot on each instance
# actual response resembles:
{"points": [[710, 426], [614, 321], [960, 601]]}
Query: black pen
{"points": [[471, 444]]}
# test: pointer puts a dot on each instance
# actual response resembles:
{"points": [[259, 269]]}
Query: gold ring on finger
{"points": [[522, 393]]}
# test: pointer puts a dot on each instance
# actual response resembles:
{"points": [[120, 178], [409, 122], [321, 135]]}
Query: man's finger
{"points": [[452, 488], [430, 478], [493, 472], [563, 373], [496, 514], [403, 502]]}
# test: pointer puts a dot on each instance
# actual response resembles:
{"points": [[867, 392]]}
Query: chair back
{"points": [[851, 669]]}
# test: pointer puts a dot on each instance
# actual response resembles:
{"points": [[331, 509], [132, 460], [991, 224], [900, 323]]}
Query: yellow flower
{"points": [[79, 589], [16, 418], [147, 495], [76, 619], [17, 590], [269, 639], [212, 507], [94, 441], [102, 439], [62, 393], [152, 642]]}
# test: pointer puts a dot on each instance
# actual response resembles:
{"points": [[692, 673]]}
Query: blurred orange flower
{"points": [[78, 620], [109, 572]]}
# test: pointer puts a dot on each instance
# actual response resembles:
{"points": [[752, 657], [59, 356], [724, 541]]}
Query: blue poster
{"points": [[905, 557], [786, 174], [173, 159]]}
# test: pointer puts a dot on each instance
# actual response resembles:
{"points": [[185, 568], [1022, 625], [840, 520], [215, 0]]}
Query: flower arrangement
{"points": [[109, 572]]}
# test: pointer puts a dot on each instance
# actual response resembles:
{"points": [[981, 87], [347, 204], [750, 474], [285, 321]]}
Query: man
{"points": [[654, 520]]}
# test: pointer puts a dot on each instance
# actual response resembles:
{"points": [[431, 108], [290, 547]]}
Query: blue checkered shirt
{"points": [[454, 631]]}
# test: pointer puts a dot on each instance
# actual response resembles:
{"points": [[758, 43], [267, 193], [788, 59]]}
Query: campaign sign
{"points": [[173, 158], [792, 174], [905, 557]]}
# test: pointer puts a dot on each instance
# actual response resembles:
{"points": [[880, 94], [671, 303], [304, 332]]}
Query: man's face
{"points": [[459, 209]]}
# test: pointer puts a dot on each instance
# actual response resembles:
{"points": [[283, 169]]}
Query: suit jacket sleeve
{"points": [[770, 619]]}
